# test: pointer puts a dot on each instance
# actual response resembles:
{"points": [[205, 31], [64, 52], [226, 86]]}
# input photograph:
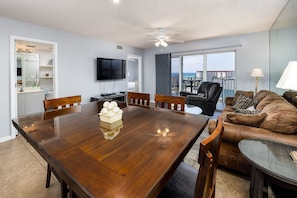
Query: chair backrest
{"points": [[213, 91], [170, 102], [59, 112], [138, 99], [208, 160], [61, 103], [203, 86]]}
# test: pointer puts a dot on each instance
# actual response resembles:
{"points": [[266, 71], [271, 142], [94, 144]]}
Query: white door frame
{"points": [[139, 59], [13, 87]]}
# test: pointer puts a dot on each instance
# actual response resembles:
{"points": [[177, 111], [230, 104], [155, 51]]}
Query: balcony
{"points": [[191, 83]]}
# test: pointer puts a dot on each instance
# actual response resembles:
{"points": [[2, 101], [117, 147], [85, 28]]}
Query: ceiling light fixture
{"points": [[116, 1], [161, 42]]}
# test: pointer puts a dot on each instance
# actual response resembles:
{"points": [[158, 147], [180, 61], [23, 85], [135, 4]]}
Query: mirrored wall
{"points": [[283, 43]]}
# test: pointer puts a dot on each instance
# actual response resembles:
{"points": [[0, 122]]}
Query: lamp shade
{"points": [[257, 72], [288, 79]]}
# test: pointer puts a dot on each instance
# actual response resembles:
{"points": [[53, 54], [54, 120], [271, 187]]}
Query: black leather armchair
{"points": [[206, 97]]}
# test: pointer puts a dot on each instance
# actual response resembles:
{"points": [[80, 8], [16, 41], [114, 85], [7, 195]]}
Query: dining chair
{"points": [[60, 103], [186, 182], [138, 99], [52, 107], [170, 102]]}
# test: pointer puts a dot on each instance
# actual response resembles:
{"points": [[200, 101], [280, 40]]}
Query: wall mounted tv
{"points": [[109, 69]]}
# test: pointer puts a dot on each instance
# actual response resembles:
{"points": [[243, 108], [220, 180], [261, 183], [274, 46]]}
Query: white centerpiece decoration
{"points": [[110, 112]]}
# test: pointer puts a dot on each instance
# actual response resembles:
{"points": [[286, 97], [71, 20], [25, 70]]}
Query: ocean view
{"points": [[185, 75]]}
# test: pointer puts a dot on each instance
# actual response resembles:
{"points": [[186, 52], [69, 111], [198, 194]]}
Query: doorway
{"points": [[134, 73], [33, 70]]}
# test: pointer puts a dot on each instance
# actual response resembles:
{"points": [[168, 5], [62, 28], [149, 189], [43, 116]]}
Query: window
{"points": [[188, 71]]}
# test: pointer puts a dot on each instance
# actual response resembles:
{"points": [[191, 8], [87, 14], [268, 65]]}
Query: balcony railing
{"points": [[225, 78]]}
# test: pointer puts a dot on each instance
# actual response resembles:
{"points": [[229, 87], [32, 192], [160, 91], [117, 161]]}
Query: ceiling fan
{"points": [[162, 38]]}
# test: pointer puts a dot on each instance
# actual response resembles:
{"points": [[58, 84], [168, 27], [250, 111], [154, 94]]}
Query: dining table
{"points": [[131, 157]]}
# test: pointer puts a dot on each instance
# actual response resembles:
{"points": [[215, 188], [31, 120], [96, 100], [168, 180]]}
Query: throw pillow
{"points": [[244, 102], [245, 93], [253, 120], [247, 111]]}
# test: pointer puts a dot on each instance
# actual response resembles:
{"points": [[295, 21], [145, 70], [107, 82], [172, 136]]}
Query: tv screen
{"points": [[109, 69]]}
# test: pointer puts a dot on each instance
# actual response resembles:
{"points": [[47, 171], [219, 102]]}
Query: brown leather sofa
{"points": [[274, 119]]}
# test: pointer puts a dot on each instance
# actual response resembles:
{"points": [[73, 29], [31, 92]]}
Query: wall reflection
{"points": [[283, 43]]}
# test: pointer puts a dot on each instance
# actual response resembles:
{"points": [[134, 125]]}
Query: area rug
{"points": [[192, 156]]}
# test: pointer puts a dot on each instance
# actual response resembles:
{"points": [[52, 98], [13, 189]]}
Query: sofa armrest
{"points": [[184, 93], [197, 98]]}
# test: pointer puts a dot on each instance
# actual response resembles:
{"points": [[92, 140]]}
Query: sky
{"points": [[215, 62]]}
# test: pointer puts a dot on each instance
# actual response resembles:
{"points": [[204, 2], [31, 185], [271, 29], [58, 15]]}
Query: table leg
{"points": [[257, 183]]}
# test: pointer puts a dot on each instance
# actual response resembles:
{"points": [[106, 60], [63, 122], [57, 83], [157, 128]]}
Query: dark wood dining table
{"points": [[137, 162]]}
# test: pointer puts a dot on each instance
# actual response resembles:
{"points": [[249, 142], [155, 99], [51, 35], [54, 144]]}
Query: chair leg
{"points": [[48, 176]]}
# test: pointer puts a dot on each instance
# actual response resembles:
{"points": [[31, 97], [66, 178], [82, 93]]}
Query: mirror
{"points": [[28, 69], [283, 43]]}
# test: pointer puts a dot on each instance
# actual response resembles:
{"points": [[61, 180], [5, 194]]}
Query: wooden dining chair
{"points": [[60, 103], [170, 102], [138, 99], [54, 107], [186, 182]]}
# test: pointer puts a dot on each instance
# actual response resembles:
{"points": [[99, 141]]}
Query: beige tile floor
{"points": [[23, 173]]}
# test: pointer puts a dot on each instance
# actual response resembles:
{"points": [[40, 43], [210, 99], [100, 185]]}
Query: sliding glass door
{"points": [[188, 71]]}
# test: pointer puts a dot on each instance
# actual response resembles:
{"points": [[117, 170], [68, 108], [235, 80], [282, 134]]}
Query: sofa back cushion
{"points": [[281, 117], [291, 97], [267, 100], [262, 94]]}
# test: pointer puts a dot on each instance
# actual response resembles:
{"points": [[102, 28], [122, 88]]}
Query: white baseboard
{"points": [[4, 139]]}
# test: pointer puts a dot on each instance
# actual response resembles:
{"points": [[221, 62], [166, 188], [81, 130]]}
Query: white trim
{"points": [[13, 92], [5, 139], [206, 50], [139, 59]]}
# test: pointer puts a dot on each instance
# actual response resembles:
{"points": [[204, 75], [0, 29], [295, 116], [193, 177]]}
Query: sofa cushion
{"points": [[246, 119], [244, 102], [291, 97], [267, 100], [281, 117], [262, 94], [244, 93]]}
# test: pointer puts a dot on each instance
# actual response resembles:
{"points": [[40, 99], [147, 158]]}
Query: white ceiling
{"points": [[135, 22]]}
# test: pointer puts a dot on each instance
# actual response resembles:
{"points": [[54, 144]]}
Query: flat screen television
{"points": [[110, 69]]}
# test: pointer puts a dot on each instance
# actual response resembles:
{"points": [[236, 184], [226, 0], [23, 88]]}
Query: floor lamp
{"points": [[257, 73]]}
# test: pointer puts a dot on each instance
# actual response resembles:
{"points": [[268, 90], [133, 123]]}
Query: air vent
{"points": [[119, 47]]}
